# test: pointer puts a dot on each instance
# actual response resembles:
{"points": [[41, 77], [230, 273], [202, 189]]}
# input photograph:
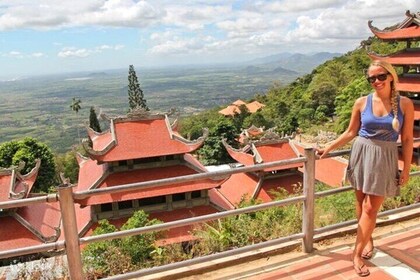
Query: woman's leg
{"points": [[360, 197], [366, 225]]}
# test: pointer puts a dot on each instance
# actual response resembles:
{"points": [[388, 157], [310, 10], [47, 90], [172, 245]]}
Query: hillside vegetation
{"points": [[321, 99]]}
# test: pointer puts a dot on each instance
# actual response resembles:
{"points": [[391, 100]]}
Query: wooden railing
{"points": [[67, 199]]}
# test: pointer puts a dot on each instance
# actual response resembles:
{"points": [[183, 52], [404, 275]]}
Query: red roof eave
{"points": [[397, 34], [404, 57], [409, 84]]}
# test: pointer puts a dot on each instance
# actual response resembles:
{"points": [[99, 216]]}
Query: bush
{"points": [[105, 258]]}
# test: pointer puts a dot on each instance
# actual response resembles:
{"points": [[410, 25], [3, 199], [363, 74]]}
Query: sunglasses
{"points": [[380, 77]]}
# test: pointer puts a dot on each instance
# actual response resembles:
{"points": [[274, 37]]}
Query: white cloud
{"points": [[347, 23], [15, 54], [204, 29], [292, 6], [243, 26], [177, 45], [195, 17], [37, 54], [116, 13], [21, 55], [73, 52], [83, 52]]}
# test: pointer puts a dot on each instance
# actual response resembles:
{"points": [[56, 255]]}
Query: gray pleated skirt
{"points": [[373, 167]]}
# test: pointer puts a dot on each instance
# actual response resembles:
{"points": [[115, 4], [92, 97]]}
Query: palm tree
{"points": [[75, 106]]}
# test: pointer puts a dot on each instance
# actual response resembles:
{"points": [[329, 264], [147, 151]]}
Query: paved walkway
{"points": [[397, 256]]}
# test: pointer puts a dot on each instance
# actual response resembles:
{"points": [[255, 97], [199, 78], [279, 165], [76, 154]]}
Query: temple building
{"points": [[30, 225], [136, 148], [407, 61], [234, 108], [265, 185]]}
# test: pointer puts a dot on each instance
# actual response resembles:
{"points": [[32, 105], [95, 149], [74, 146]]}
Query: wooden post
{"points": [[71, 235], [309, 203]]}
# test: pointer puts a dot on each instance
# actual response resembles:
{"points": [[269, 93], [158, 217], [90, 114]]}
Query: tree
{"points": [[256, 119], [240, 116], [135, 94], [213, 152], [93, 120], [28, 150], [67, 165], [75, 106]]}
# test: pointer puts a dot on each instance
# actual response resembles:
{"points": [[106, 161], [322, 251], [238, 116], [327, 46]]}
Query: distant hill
{"points": [[263, 69], [98, 74], [296, 62]]}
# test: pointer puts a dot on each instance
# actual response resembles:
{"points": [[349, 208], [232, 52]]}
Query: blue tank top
{"points": [[379, 128]]}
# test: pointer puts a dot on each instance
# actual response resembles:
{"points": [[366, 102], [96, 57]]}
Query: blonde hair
{"points": [[394, 93]]}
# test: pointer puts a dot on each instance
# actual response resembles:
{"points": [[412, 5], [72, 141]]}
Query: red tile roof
{"points": [[217, 198], [43, 217], [149, 174], [416, 134], [180, 234], [175, 235], [35, 224], [241, 156], [254, 106], [287, 182], [416, 111], [14, 185], [264, 152], [409, 83], [330, 171], [397, 34], [14, 235], [139, 138], [246, 186], [5, 183], [237, 187], [408, 28], [234, 108], [90, 173], [230, 110], [254, 131], [277, 151], [401, 58], [239, 102]]}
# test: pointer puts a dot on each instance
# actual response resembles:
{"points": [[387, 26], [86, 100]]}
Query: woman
{"points": [[377, 119]]}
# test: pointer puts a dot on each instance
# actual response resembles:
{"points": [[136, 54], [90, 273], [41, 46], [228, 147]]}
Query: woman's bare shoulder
{"points": [[406, 103], [360, 102]]}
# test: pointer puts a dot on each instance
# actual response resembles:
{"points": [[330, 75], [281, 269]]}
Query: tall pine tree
{"points": [[135, 94], [93, 120]]}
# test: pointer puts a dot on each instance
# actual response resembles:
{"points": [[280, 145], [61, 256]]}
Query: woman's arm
{"points": [[351, 131], [407, 137]]}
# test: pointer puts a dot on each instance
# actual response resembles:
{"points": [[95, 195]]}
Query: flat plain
{"points": [[40, 106]]}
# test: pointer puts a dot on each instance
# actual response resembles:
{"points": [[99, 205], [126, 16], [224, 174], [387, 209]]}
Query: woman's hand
{"points": [[320, 152], [404, 177]]}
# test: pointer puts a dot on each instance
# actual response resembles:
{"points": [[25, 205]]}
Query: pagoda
{"points": [[408, 59], [143, 147]]}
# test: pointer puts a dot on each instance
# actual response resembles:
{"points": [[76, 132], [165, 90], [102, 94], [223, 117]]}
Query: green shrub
{"points": [[139, 247]]}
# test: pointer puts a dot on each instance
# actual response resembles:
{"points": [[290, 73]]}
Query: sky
{"points": [[48, 36]]}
